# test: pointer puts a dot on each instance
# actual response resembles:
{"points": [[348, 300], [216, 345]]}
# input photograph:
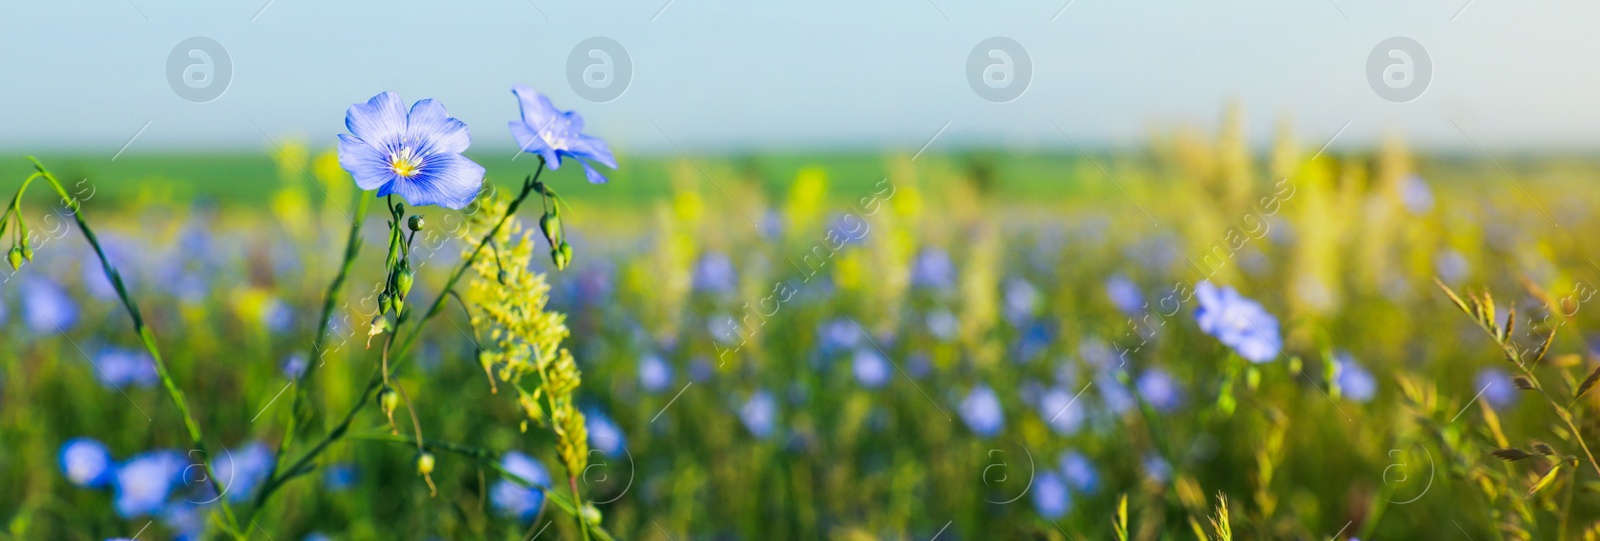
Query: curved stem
{"points": [[329, 299], [146, 336]]}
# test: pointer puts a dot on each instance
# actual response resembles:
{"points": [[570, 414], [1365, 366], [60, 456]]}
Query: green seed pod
{"points": [[425, 463], [550, 223], [404, 280], [14, 257], [385, 303], [389, 399], [415, 223], [591, 514]]}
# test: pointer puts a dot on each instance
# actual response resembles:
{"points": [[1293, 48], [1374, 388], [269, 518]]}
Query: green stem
{"points": [[330, 298], [301, 464], [146, 336]]}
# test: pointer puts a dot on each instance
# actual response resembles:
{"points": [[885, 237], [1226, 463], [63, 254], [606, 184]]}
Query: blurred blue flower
{"points": [[240, 471], [316, 536], [1159, 389], [655, 375], [554, 134], [277, 315], [1415, 194], [1354, 381], [1496, 386], [144, 482], [932, 269], [1125, 294], [982, 412], [724, 329], [1050, 496], [1451, 266], [1096, 352], [943, 324], [918, 365], [339, 477], [715, 273], [1079, 472], [1238, 322], [86, 462], [870, 368], [120, 367], [294, 365], [700, 369], [1156, 468], [1118, 399], [1058, 408], [839, 334], [759, 414], [46, 308], [1021, 301], [604, 434], [1036, 338], [510, 497], [415, 154], [186, 519]]}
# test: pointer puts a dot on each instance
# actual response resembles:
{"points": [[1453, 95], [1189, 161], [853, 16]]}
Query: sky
{"points": [[868, 75]]}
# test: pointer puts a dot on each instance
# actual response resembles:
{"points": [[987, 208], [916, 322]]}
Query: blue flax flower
{"points": [[1050, 497], [119, 367], [982, 412], [604, 434], [144, 482], [655, 375], [86, 462], [1059, 409], [554, 133], [871, 369], [1354, 381], [1496, 386], [759, 414], [1159, 389], [1079, 472], [512, 498], [46, 308], [1238, 322], [240, 471], [415, 154]]}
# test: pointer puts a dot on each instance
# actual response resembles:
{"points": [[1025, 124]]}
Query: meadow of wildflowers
{"points": [[1194, 341]]}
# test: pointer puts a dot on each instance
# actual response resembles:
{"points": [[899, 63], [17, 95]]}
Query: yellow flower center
{"points": [[405, 163]]}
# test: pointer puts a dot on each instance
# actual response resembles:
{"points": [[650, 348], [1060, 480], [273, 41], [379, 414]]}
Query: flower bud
{"points": [[415, 223], [14, 257], [550, 223], [562, 255], [425, 463], [389, 399], [591, 514], [27, 252], [385, 303]]}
